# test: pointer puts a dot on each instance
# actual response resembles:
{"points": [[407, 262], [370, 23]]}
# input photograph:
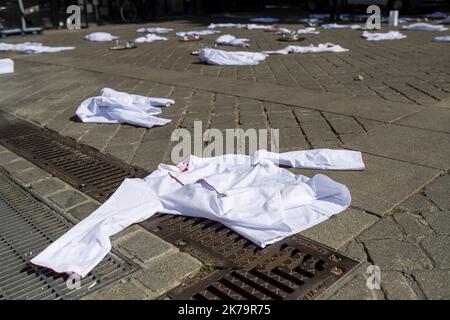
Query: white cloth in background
{"points": [[436, 15], [265, 20], [309, 30], [155, 30], [151, 37], [227, 25], [322, 47], [198, 33], [6, 66], [310, 21], [342, 26], [100, 37], [425, 27], [228, 39], [31, 47], [230, 58], [445, 21], [378, 36], [249, 194], [120, 107], [442, 39], [252, 26]]}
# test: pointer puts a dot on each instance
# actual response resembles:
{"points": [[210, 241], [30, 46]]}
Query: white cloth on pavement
{"points": [[265, 20], [421, 26], [342, 26], [231, 58], [248, 194], [310, 21], [378, 36], [151, 37], [322, 47], [436, 15], [442, 39], [100, 37], [230, 40], [198, 33], [155, 30], [6, 66], [309, 30], [120, 107], [31, 47], [227, 25], [252, 26]]}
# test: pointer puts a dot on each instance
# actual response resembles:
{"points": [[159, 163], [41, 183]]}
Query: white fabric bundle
{"points": [[230, 58], [445, 21], [265, 20], [32, 47], [228, 39], [6, 66], [342, 26], [100, 37], [120, 107], [252, 26], [436, 15], [378, 36], [226, 25], [442, 39], [425, 27], [310, 21], [155, 30], [151, 37], [249, 194], [309, 30], [322, 47], [198, 33]]}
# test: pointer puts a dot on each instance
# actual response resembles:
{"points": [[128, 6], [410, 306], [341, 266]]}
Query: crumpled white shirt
{"points": [[421, 26], [342, 26], [379, 36], [442, 39], [6, 66], [100, 37], [231, 58], [198, 33], [151, 37], [155, 30], [252, 26], [120, 107], [249, 194], [322, 47], [31, 47], [309, 30], [226, 25], [230, 40]]}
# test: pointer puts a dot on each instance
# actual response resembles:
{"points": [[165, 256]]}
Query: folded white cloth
{"points": [[226, 25], [309, 30], [228, 39], [32, 47], [230, 58], [437, 15], [442, 39], [252, 26], [421, 26], [120, 107], [322, 47], [249, 194], [378, 36], [198, 33], [100, 37], [6, 66], [149, 38], [155, 30], [342, 26], [265, 20]]}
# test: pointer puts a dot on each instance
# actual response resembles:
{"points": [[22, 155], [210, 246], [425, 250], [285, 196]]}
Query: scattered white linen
{"points": [[252, 26], [228, 39], [378, 36], [149, 38], [120, 107], [309, 30], [442, 39], [155, 30], [249, 194], [265, 20], [437, 15], [322, 47], [6, 66], [198, 33], [421, 26], [342, 26], [227, 25], [231, 58], [100, 37], [32, 47], [445, 21], [310, 21]]}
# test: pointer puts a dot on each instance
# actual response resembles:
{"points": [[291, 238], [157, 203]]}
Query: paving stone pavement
{"points": [[397, 115]]}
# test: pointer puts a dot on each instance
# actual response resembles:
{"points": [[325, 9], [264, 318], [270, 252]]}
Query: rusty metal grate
{"points": [[27, 227], [93, 173]]}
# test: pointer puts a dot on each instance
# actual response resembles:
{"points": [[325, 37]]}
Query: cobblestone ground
{"points": [[398, 116]]}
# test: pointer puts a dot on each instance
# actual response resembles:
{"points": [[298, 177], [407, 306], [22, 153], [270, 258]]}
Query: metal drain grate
{"points": [[27, 227]]}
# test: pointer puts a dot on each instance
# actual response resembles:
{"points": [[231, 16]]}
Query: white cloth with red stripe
{"points": [[249, 194]]}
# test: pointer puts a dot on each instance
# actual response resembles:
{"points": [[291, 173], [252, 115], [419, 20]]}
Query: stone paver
{"points": [[434, 284]]}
